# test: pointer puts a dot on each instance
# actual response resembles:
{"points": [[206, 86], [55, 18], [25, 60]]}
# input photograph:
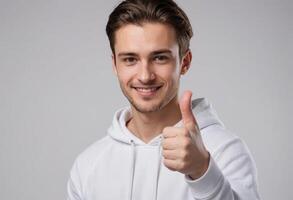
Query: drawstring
{"points": [[158, 170], [132, 169]]}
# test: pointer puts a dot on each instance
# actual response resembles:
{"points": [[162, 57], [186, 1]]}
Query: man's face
{"points": [[147, 65]]}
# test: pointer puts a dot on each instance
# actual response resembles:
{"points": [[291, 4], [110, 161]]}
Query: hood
{"points": [[203, 111]]}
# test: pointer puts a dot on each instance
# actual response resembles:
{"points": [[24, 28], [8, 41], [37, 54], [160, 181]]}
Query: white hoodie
{"points": [[120, 166]]}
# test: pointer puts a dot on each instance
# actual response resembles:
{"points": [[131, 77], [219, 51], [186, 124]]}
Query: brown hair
{"points": [[140, 11]]}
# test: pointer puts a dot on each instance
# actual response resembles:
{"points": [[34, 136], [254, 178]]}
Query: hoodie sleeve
{"points": [[231, 175], [73, 184]]}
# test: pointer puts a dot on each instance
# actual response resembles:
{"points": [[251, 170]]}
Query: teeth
{"points": [[147, 89]]}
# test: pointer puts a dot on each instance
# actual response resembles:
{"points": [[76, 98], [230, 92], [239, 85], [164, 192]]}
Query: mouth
{"points": [[147, 91]]}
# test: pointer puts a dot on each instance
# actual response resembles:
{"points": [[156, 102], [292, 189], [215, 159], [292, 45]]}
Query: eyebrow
{"points": [[160, 51], [126, 54]]}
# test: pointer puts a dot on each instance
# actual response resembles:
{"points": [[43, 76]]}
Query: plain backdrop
{"points": [[58, 93]]}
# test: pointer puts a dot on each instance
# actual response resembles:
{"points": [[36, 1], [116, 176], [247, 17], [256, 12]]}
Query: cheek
{"points": [[171, 75], [125, 75]]}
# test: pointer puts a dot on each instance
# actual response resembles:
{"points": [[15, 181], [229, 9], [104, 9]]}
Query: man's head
{"points": [[150, 44]]}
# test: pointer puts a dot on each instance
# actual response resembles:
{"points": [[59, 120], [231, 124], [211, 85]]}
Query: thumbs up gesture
{"points": [[183, 148]]}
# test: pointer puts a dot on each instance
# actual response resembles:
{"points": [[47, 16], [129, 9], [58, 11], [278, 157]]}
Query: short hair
{"points": [[140, 11]]}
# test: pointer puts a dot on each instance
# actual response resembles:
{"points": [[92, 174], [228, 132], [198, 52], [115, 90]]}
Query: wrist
{"points": [[200, 171]]}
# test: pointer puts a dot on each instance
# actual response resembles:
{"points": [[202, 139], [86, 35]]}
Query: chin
{"points": [[146, 107]]}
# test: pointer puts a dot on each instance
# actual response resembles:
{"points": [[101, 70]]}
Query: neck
{"points": [[149, 125]]}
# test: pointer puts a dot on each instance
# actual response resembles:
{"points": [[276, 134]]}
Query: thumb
{"points": [[188, 118]]}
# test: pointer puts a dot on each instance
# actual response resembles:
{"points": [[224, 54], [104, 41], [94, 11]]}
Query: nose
{"points": [[146, 74]]}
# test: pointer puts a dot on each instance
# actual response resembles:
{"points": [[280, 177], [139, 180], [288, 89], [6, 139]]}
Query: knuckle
{"points": [[185, 132], [166, 154], [181, 165], [166, 130], [166, 163], [186, 142], [164, 145]]}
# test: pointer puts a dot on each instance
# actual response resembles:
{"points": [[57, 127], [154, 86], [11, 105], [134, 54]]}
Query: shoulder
{"points": [[217, 139], [87, 159], [93, 151]]}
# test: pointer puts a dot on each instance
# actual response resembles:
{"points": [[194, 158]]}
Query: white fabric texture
{"points": [[121, 166]]}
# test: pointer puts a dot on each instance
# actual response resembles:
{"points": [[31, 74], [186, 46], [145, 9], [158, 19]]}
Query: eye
{"points": [[161, 59], [129, 60]]}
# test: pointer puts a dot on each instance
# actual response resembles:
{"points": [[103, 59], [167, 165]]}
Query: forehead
{"points": [[145, 38]]}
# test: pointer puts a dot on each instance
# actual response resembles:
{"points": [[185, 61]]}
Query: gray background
{"points": [[58, 93]]}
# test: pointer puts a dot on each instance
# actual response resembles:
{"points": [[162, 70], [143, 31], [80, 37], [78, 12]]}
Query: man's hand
{"points": [[183, 149]]}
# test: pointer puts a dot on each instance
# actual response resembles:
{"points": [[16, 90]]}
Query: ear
{"points": [[114, 64], [186, 62]]}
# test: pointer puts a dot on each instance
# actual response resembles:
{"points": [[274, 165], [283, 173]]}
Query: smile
{"points": [[147, 91]]}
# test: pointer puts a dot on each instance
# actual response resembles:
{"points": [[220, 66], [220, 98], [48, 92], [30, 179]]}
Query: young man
{"points": [[160, 147]]}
